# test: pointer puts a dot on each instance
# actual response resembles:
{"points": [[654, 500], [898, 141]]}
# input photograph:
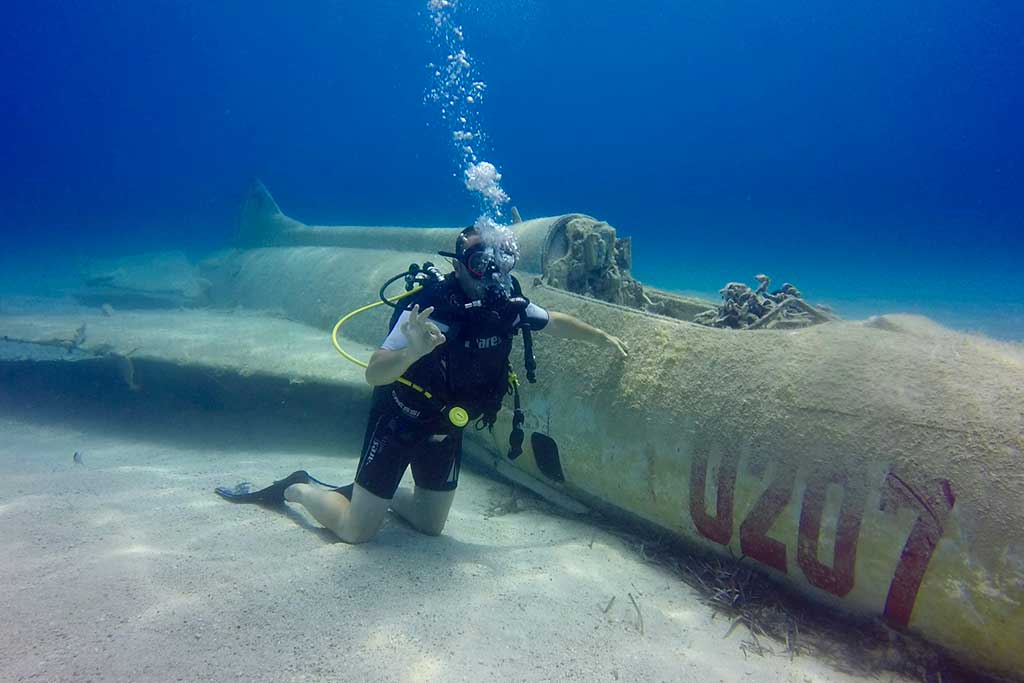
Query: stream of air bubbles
{"points": [[457, 91]]}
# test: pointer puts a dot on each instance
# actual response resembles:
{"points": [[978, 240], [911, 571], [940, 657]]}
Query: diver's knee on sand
{"points": [[364, 516], [359, 520], [353, 522], [424, 509]]}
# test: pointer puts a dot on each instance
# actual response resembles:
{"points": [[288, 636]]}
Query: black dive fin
{"points": [[272, 495]]}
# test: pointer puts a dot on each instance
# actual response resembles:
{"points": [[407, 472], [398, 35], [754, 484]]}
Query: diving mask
{"points": [[481, 261], [484, 260]]}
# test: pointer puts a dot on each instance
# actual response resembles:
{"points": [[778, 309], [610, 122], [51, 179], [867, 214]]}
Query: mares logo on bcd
{"points": [[485, 342]]}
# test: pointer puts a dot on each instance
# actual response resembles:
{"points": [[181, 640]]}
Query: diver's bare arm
{"points": [[567, 327], [386, 366]]}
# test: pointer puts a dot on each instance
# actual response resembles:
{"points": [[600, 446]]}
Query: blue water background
{"points": [[870, 152]]}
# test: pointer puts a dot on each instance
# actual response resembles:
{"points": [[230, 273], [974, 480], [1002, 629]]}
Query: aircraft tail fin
{"points": [[261, 221]]}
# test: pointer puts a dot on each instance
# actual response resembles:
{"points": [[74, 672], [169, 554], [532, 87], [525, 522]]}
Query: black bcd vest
{"points": [[471, 368]]}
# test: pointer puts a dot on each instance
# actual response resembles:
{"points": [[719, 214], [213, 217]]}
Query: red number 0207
{"points": [[931, 503]]}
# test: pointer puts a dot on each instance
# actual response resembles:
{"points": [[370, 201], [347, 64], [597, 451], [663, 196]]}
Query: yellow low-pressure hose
{"points": [[349, 357]]}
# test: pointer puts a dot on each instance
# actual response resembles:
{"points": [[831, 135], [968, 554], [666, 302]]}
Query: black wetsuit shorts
{"points": [[395, 441]]}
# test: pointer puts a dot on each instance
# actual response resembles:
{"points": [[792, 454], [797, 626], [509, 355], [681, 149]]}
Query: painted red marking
{"points": [[719, 527], [754, 540], [837, 579], [933, 508]]}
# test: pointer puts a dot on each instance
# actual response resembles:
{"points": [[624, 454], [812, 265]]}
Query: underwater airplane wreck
{"points": [[874, 466]]}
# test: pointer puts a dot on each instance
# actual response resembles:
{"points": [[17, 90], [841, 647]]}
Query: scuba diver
{"points": [[444, 364]]}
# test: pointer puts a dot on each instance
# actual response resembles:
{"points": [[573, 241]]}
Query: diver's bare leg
{"points": [[425, 510], [354, 522]]}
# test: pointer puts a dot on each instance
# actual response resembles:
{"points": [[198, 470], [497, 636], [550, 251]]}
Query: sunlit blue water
{"points": [[871, 153]]}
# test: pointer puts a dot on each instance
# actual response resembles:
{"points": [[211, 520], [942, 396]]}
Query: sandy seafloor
{"points": [[128, 567]]}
